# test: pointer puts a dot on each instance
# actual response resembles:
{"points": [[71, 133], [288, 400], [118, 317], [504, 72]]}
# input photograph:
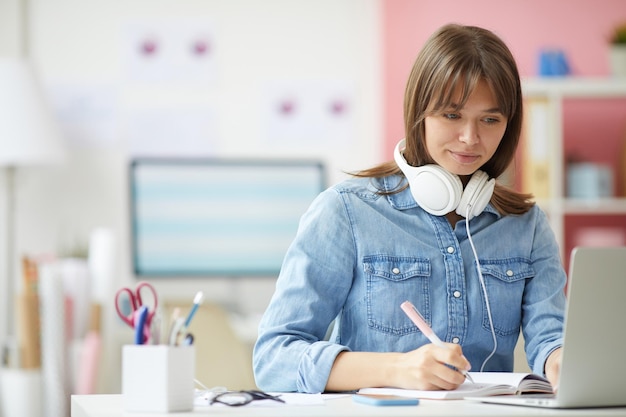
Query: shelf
{"points": [[544, 168], [602, 206], [575, 87], [616, 206]]}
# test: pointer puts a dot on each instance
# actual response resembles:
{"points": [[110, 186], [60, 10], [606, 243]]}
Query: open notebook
{"points": [[485, 384]]}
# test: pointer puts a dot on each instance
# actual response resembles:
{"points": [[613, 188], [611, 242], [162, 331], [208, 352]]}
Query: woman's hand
{"points": [[430, 368], [552, 367], [426, 368]]}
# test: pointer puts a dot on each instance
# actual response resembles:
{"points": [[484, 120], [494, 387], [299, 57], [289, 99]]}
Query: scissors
{"points": [[136, 301]]}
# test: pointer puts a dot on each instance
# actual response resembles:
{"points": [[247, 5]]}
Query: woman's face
{"points": [[462, 140]]}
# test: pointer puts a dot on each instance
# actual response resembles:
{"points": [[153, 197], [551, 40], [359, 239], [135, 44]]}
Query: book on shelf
{"points": [[536, 148], [485, 384]]}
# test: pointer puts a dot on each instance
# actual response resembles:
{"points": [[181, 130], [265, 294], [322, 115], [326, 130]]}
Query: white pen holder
{"points": [[158, 378]]}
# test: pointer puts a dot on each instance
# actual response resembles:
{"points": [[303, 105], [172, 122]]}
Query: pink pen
{"points": [[415, 316]]}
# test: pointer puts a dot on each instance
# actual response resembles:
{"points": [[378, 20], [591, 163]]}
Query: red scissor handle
{"points": [[139, 299], [128, 319], [135, 299]]}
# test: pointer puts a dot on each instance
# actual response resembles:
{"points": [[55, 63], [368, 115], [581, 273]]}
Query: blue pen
{"points": [[197, 300], [140, 323]]}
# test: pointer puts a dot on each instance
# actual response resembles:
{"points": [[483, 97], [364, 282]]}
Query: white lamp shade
{"points": [[29, 134]]}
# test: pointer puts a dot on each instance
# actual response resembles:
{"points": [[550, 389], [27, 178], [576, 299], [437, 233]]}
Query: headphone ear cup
{"points": [[435, 190], [476, 195]]}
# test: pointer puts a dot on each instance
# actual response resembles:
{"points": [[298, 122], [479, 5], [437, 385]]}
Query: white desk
{"points": [[111, 406]]}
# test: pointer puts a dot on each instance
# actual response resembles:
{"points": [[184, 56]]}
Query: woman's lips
{"points": [[465, 158]]}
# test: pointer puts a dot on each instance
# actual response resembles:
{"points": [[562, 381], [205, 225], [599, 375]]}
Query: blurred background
{"points": [[279, 80]]}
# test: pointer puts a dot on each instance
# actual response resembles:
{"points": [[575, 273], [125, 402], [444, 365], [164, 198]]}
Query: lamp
{"points": [[28, 133], [28, 136]]}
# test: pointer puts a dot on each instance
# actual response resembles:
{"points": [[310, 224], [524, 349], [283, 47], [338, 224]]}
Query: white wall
{"points": [[78, 43], [10, 44]]}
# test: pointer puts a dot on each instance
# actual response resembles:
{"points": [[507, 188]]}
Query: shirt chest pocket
{"points": [[505, 281], [390, 281]]}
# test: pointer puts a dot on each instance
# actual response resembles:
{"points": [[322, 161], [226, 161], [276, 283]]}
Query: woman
{"points": [[478, 269]]}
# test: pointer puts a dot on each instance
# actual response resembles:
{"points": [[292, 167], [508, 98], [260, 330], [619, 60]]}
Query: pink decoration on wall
{"points": [[338, 107], [201, 47], [149, 47], [287, 107]]}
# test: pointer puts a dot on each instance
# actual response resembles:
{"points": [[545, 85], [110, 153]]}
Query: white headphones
{"points": [[439, 192]]}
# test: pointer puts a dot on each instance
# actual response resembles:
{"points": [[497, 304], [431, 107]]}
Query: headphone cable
{"points": [[484, 288]]}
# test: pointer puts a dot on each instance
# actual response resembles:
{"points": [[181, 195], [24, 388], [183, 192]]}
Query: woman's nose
{"points": [[469, 133]]}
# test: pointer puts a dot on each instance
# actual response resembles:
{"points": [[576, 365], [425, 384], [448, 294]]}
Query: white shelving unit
{"points": [[552, 92]]}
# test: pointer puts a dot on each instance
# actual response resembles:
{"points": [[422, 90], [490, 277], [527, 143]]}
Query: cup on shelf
{"points": [[589, 181], [553, 62]]}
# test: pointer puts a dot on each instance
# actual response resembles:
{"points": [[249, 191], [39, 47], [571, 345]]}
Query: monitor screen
{"points": [[217, 217]]}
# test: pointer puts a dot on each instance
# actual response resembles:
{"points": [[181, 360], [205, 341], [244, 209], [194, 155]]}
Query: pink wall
{"points": [[579, 27], [595, 129]]}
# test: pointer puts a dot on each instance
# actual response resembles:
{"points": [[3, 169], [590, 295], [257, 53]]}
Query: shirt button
{"points": [[450, 249], [457, 294], [509, 273], [456, 340], [396, 271]]}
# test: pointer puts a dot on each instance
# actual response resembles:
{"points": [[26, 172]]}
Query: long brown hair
{"points": [[456, 58]]}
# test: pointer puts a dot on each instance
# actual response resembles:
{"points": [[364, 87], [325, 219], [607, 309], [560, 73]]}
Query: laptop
{"points": [[593, 368]]}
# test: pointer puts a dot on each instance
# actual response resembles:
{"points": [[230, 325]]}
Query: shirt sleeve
{"points": [[544, 297], [290, 353]]}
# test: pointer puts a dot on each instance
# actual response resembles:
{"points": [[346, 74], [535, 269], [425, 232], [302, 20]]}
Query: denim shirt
{"points": [[358, 255]]}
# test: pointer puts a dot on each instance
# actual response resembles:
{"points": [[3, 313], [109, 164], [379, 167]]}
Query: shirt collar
{"points": [[404, 199]]}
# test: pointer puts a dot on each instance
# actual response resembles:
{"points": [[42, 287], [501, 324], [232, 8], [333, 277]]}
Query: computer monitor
{"points": [[217, 217]]}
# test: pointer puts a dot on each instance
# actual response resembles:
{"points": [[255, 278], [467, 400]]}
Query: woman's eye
{"points": [[491, 120], [451, 116]]}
